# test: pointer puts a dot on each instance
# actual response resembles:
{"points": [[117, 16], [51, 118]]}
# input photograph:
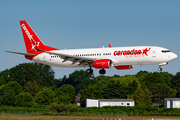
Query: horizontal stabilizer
{"points": [[27, 54]]}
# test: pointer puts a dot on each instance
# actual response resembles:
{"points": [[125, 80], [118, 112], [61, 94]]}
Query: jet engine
{"points": [[124, 67], [102, 63]]}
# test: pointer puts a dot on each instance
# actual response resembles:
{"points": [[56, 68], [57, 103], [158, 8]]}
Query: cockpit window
{"points": [[165, 51]]}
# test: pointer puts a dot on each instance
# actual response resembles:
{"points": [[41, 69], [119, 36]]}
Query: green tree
{"points": [[167, 78], [42, 74], [148, 97], [69, 81], [8, 97], [32, 88], [141, 73], [44, 97], [152, 79], [58, 82], [91, 92], [141, 98], [8, 92], [25, 100], [4, 76], [65, 94], [115, 90], [132, 86], [138, 97], [13, 85], [82, 78], [161, 91], [46, 73], [126, 79], [176, 81], [102, 80]]}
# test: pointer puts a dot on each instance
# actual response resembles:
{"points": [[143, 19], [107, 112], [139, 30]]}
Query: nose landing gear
{"points": [[164, 63], [160, 69]]}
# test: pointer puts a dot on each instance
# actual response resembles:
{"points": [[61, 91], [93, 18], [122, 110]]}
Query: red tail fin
{"points": [[31, 39]]}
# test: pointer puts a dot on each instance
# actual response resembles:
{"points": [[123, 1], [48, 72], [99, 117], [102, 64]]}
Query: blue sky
{"points": [[91, 24]]}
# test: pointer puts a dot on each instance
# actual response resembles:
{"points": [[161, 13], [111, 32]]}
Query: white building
{"points": [[109, 102], [172, 102], [91, 103], [167, 102], [116, 102]]}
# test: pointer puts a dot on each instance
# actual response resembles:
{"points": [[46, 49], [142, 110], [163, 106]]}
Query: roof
{"points": [[78, 98], [173, 99], [116, 100], [155, 104], [167, 99]]}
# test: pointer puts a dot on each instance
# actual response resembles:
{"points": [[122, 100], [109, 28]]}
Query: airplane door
{"points": [[44, 58], [154, 53]]}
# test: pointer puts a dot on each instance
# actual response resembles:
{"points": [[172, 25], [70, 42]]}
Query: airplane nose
{"points": [[174, 56]]}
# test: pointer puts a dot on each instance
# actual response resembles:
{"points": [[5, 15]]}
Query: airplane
{"points": [[122, 58]]}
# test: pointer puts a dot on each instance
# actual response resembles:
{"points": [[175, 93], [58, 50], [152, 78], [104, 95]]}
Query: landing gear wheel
{"points": [[160, 69], [89, 71], [102, 71]]}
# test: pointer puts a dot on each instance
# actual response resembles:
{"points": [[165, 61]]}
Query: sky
{"points": [[71, 24]]}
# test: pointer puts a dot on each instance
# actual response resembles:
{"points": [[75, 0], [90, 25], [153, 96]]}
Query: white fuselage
{"points": [[118, 55]]}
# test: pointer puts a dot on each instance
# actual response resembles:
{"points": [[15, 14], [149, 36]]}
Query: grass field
{"points": [[21, 117]]}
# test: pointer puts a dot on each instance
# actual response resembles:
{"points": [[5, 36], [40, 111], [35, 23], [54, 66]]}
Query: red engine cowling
{"points": [[103, 63], [124, 67]]}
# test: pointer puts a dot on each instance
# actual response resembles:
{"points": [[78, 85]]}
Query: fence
{"points": [[113, 114]]}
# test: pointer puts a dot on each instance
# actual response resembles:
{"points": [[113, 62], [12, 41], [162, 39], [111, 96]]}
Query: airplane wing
{"points": [[74, 59], [27, 54], [82, 60]]}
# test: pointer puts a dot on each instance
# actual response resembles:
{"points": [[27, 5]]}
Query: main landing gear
{"points": [[89, 71], [101, 71]]}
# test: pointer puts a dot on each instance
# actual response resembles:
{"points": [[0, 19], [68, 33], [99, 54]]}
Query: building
{"points": [[109, 102], [172, 102], [175, 103], [167, 102], [91, 103], [77, 100], [156, 104]]}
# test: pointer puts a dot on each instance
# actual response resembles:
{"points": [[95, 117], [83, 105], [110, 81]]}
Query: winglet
{"points": [[110, 45]]}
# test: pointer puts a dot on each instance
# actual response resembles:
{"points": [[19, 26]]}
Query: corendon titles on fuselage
{"points": [[133, 52]]}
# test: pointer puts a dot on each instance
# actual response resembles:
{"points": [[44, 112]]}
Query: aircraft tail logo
{"points": [[32, 41]]}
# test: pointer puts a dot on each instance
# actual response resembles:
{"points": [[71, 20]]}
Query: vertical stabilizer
{"points": [[32, 40]]}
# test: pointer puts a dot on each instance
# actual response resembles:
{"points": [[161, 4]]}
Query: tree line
{"points": [[31, 84]]}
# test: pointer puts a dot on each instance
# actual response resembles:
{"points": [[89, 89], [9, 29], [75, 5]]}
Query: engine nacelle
{"points": [[102, 63], [124, 67]]}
